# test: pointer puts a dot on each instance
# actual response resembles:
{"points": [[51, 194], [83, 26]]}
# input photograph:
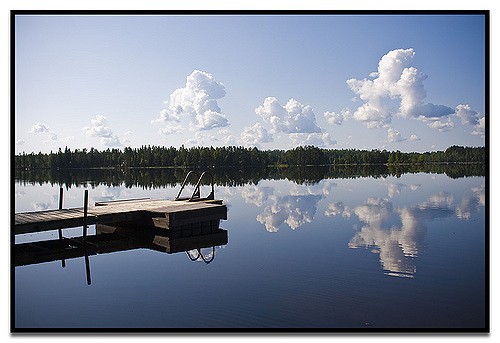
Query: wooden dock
{"points": [[180, 218]]}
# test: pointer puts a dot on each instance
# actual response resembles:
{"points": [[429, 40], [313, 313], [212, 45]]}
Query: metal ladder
{"points": [[196, 193]]}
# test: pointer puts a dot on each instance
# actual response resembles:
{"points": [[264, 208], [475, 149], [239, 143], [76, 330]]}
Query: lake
{"points": [[320, 248]]}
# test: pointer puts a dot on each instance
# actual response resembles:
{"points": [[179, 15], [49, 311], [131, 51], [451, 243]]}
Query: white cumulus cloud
{"points": [[291, 118], [254, 135], [316, 139], [337, 118], [393, 135], [442, 126], [480, 127], [227, 137], [196, 101], [100, 129], [202, 138], [467, 115], [169, 129], [396, 89], [39, 127]]}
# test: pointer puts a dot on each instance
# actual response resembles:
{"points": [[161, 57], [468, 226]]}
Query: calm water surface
{"points": [[386, 252]]}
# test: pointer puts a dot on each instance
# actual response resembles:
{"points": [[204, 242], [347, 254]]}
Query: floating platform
{"points": [[170, 226], [179, 218]]}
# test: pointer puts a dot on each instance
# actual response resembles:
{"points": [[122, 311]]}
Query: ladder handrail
{"points": [[184, 184], [196, 191], [198, 250]]}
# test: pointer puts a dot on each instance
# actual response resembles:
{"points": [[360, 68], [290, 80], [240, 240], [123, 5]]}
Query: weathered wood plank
{"points": [[175, 212], [112, 202]]}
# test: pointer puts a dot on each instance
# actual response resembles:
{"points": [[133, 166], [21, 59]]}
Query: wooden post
{"points": [[60, 198], [63, 262], [60, 207], [85, 206], [87, 267]]}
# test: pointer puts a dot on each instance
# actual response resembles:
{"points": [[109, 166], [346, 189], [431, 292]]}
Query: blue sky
{"points": [[409, 83]]}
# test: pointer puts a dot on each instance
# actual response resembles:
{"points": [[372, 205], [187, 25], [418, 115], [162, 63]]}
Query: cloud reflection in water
{"points": [[397, 246], [294, 209]]}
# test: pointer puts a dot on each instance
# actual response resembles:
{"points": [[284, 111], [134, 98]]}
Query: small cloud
{"points": [[337, 118], [202, 139], [127, 137], [169, 129], [99, 129], [372, 116], [414, 138], [254, 135], [20, 141], [316, 139], [393, 135], [41, 206], [53, 135], [112, 141], [67, 139], [39, 127], [227, 137], [467, 115], [230, 140], [480, 127], [442, 126], [191, 142]]}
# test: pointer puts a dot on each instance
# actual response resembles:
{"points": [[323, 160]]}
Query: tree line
{"points": [[232, 156]]}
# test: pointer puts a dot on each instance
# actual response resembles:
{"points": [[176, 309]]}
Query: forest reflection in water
{"points": [[161, 177]]}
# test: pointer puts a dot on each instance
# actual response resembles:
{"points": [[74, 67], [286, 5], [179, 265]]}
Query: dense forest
{"points": [[231, 156]]}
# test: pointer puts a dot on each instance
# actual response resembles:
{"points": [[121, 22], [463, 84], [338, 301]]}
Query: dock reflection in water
{"points": [[116, 237]]}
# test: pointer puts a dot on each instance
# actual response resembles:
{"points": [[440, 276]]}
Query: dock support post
{"points": [[60, 207], [87, 267], [85, 209], [60, 198], [63, 262], [85, 206]]}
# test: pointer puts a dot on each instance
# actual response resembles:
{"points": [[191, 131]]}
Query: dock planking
{"points": [[162, 213]]}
